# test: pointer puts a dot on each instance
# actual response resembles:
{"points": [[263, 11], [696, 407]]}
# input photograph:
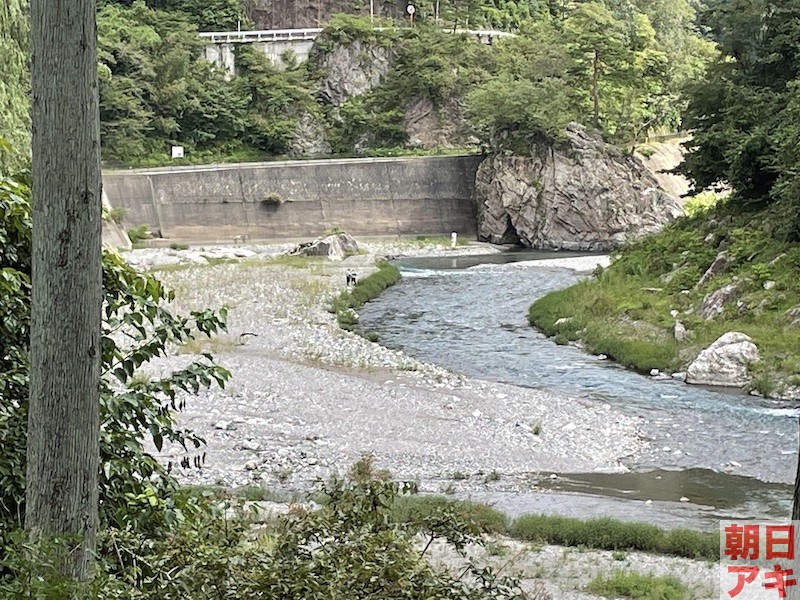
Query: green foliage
{"points": [[611, 534], [744, 112], [137, 234], [638, 587], [14, 85], [626, 311], [365, 290], [425, 512], [137, 494], [350, 547]]}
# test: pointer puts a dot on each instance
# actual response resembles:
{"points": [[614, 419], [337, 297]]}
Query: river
{"points": [[730, 452]]}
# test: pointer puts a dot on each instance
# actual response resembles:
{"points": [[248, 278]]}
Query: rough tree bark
{"points": [[63, 429]]}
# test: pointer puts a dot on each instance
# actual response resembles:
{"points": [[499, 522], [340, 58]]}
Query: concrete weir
{"points": [[299, 199]]}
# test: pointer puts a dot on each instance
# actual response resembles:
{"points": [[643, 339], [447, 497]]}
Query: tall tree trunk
{"points": [[63, 429], [596, 89]]}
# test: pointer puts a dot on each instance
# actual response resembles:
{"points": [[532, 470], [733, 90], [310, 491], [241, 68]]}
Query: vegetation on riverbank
{"points": [[629, 310], [345, 305]]}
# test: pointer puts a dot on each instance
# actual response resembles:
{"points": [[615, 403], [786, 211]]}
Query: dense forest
{"points": [[620, 66]]}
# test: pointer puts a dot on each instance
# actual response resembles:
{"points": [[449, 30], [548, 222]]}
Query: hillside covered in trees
{"points": [[617, 65]]}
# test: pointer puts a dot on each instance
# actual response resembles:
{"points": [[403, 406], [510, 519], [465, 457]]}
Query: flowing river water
{"points": [[731, 454]]}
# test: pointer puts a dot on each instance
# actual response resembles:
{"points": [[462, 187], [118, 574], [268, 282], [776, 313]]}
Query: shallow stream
{"points": [[718, 448]]}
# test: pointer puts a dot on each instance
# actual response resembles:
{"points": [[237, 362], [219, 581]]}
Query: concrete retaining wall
{"points": [[428, 195]]}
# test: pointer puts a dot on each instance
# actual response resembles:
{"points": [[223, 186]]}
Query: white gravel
{"points": [[306, 397]]}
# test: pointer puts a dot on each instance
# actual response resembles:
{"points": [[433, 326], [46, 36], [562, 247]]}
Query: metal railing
{"points": [[267, 35], [294, 35]]}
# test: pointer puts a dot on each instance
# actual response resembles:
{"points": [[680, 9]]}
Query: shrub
{"points": [[272, 199], [137, 234], [177, 246], [611, 534], [638, 587], [137, 493]]}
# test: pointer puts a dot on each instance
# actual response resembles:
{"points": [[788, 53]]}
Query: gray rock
{"points": [[351, 70], [720, 265], [581, 194], [793, 313], [334, 247], [714, 302], [724, 362], [310, 138], [428, 126], [768, 285], [679, 332]]}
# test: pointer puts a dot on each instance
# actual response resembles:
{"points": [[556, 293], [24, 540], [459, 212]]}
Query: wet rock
{"points": [[724, 362], [580, 194], [714, 302]]}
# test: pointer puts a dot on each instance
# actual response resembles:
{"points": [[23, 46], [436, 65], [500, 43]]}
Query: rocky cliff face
{"points": [[444, 127], [579, 194], [351, 70]]}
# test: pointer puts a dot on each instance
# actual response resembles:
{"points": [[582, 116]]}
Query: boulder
{"points": [[335, 247], [714, 302], [679, 332], [720, 265], [576, 194], [724, 362]]}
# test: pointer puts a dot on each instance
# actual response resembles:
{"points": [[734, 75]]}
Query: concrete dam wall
{"points": [[300, 199]]}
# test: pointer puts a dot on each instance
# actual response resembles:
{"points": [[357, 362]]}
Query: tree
{"points": [[14, 83], [63, 425]]}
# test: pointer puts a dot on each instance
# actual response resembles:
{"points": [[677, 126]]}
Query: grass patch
{"points": [[421, 508], [365, 290], [626, 584], [611, 534], [628, 311]]}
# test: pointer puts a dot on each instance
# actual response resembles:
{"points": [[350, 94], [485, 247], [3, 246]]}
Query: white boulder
{"points": [[724, 362]]}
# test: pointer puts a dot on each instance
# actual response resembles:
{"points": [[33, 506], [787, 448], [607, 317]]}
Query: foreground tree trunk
{"points": [[61, 497]]}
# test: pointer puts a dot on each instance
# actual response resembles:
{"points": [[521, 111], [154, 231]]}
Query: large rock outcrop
{"points": [[350, 70], [445, 126], [576, 194], [724, 362]]}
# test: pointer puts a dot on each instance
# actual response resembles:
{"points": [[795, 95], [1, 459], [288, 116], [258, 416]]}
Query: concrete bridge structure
{"points": [[275, 42]]}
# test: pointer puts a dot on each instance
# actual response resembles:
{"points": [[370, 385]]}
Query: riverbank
{"points": [[670, 296], [307, 398]]}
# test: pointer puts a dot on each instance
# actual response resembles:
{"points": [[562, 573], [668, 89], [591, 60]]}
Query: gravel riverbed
{"points": [[306, 399]]}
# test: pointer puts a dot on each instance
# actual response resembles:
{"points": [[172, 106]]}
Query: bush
{"points": [[350, 547], [638, 587], [272, 199], [137, 493], [137, 234]]}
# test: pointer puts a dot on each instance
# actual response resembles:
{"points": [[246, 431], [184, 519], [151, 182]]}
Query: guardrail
{"points": [[267, 35], [287, 35]]}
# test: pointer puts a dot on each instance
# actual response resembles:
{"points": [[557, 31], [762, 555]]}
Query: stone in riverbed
{"points": [[724, 362], [334, 247]]}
